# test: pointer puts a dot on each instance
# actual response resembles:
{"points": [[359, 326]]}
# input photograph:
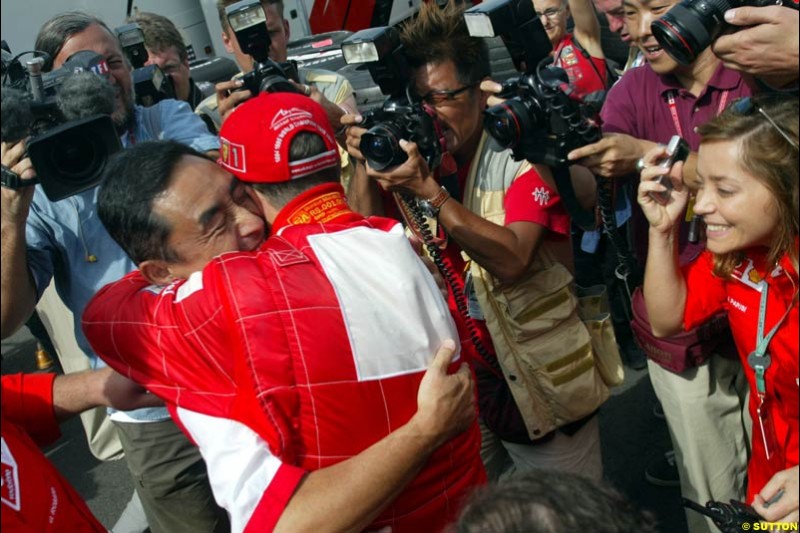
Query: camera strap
{"points": [[11, 180]]}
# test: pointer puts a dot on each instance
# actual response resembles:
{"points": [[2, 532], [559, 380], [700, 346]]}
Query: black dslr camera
{"points": [[66, 113], [249, 24], [539, 121], [150, 84], [399, 117], [689, 27]]}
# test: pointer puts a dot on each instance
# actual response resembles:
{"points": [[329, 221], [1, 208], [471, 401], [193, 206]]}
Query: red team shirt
{"points": [[740, 297], [586, 75], [35, 496]]}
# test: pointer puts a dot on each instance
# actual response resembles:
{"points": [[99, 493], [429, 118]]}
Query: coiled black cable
{"points": [[411, 206]]}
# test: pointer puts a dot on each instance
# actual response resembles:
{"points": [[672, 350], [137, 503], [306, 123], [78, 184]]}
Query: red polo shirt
{"points": [[740, 297]]}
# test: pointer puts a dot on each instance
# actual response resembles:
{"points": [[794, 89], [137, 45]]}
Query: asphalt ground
{"points": [[631, 437]]}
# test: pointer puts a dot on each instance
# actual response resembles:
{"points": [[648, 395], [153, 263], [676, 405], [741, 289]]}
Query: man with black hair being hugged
{"points": [[302, 368], [64, 242]]}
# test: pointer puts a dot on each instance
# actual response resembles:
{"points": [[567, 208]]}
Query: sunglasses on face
{"points": [[441, 95], [745, 106]]}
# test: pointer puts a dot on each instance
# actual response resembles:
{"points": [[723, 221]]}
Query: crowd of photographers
{"points": [[247, 263]]}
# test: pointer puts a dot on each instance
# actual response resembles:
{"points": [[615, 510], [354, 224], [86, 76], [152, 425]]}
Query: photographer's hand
{"points": [[333, 111], [662, 217], [16, 202], [493, 88], [412, 176], [614, 155], [353, 135], [766, 46], [17, 291], [785, 508], [228, 97]]}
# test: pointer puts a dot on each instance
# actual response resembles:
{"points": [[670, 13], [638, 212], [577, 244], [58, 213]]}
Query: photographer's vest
{"points": [[543, 347]]}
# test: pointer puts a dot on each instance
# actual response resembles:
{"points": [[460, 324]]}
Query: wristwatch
{"points": [[431, 206]]}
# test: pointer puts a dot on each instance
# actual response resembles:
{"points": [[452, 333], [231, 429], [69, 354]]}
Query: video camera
{"points": [[398, 117], [690, 27], [67, 114], [249, 24], [150, 84], [539, 120]]}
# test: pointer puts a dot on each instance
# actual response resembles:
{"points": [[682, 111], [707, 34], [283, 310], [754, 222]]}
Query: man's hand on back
{"points": [[445, 402]]}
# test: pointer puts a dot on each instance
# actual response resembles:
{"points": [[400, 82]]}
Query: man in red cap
{"points": [[298, 365]]}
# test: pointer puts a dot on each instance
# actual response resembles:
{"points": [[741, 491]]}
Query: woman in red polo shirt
{"points": [[747, 194]]}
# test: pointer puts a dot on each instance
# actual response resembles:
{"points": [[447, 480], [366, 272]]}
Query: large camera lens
{"points": [[381, 148], [508, 122], [689, 27]]}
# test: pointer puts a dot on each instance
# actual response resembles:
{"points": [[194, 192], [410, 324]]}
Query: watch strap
{"points": [[11, 180], [439, 198]]}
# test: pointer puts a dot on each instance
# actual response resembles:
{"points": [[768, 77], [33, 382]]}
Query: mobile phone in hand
{"points": [[677, 150]]}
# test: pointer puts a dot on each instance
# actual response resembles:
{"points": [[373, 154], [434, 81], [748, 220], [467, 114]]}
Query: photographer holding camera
{"points": [[64, 241], [765, 45], [510, 220], [747, 190], [166, 49], [332, 91]]}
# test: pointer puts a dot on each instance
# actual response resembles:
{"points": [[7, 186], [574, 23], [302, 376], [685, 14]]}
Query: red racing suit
{"points": [[35, 496], [293, 359]]}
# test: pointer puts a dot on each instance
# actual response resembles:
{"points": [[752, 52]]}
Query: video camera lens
{"points": [[690, 27], [77, 158], [71, 158], [381, 148]]}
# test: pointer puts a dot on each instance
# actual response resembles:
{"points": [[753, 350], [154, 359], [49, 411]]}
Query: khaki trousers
{"points": [[706, 411], [59, 323], [578, 454]]}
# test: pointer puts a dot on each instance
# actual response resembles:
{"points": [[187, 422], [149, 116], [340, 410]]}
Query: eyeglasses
{"points": [[745, 106], [439, 96], [551, 13]]}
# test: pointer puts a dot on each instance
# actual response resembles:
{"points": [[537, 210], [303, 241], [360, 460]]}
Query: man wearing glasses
{"points": [[579, 53], [500, 212]]}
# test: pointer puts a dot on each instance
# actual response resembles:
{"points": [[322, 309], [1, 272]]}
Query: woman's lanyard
{"points": [[673, 108], [759, 360]]}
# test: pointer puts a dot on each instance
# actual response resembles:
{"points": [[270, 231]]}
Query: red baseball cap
{"points": [[255, 138]]}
